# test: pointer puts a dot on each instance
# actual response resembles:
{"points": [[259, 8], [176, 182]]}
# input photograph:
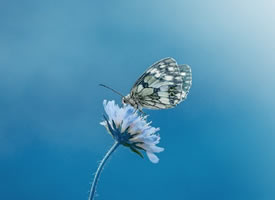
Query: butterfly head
{"points": [[128, 100]]}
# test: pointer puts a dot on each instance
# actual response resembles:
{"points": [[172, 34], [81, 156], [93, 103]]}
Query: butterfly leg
{"points": [[138, 109], [142, 112]]}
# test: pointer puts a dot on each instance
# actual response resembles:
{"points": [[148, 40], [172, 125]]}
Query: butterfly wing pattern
{"points": [[186, 74], [163, 85]]}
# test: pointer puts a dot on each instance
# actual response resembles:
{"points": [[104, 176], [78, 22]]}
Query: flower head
{"points": [[131, 130]]}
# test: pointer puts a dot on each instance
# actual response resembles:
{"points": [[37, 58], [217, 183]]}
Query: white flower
{"points": [[131, 130]]}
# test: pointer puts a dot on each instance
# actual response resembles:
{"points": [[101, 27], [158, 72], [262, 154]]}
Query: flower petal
{"points": [[150, 148], [152, 157], [132, 130]]}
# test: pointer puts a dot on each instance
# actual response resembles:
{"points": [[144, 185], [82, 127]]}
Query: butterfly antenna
{"points": [[112, 90]]}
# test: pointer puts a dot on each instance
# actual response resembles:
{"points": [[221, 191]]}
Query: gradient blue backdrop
{"points": [[219, 143]]}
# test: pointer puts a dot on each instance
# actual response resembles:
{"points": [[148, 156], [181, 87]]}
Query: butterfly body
{"points": [[163, 85]]}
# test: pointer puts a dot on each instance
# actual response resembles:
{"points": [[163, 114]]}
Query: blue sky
{"points": [[219, 143]]}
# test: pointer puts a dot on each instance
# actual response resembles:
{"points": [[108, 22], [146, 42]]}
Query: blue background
{"points": [[219, 143]]}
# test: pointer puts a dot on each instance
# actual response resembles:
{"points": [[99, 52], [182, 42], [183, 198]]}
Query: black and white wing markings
{"points": [[163, 85], [186, 74], [160, 86]]}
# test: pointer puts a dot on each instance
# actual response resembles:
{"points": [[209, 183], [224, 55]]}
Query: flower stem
{"points": [[99, 169]]}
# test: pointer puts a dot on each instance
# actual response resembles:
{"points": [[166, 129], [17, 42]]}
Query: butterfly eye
{"points": [[123, 100]]}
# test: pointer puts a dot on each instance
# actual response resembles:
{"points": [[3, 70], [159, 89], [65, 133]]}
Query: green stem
{"points": [[99, 169]]}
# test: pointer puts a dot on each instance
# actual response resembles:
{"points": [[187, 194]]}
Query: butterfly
{"points": [[163, 85]]}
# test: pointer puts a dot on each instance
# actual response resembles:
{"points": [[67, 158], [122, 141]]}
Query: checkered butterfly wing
{"points": [[164, 85]]}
